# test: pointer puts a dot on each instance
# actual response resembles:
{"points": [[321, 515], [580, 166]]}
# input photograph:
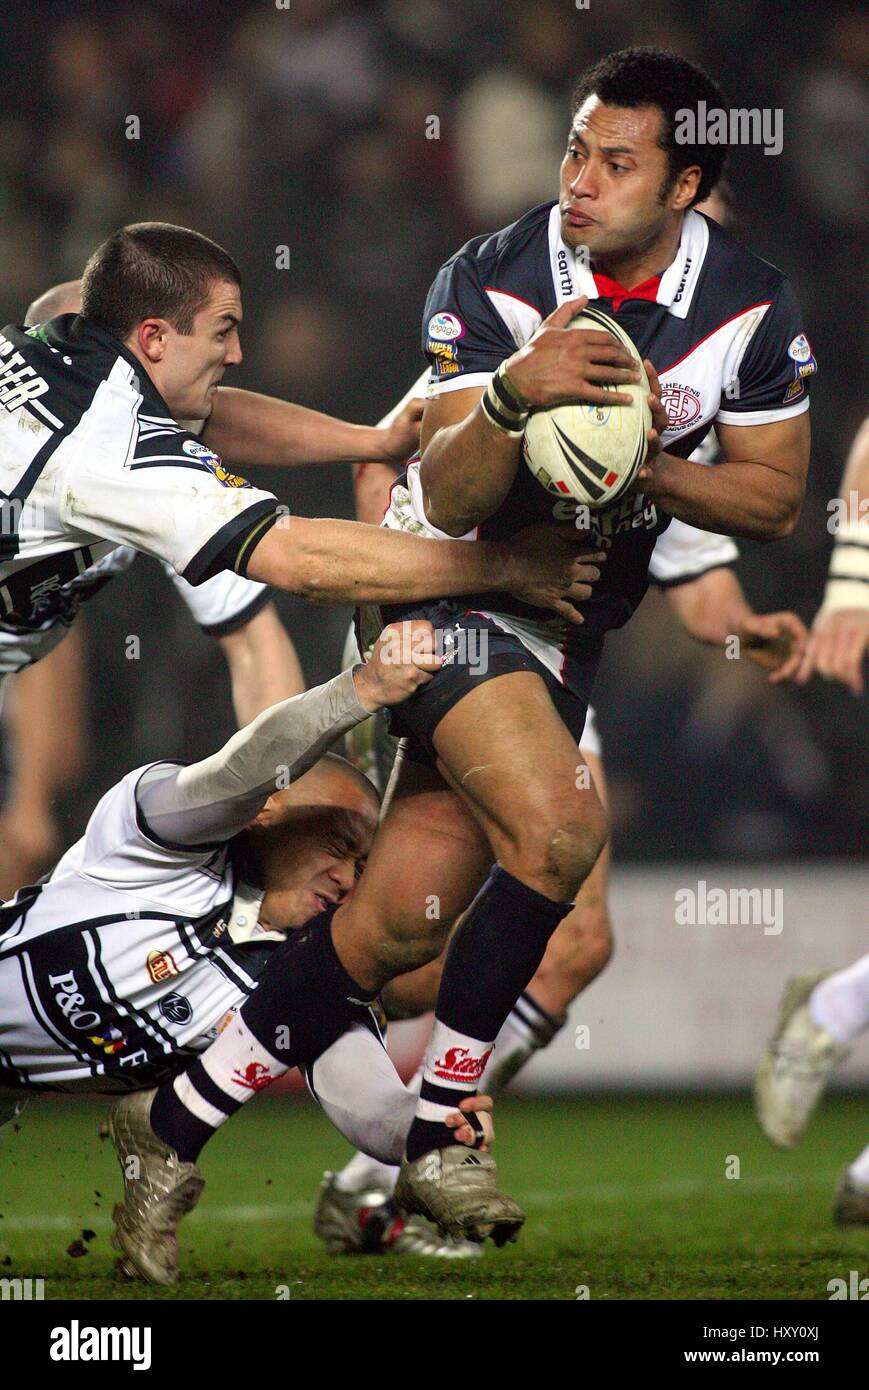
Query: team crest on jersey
{"points": [[682, 404], [444, 327], [161, 966], [213, 461]]}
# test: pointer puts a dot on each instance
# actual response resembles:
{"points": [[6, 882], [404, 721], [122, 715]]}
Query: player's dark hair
{"points": [[656, 77], [152, 268]]}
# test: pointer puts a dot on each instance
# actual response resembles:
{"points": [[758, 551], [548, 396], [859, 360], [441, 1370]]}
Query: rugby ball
{"points": [[591, 453]]}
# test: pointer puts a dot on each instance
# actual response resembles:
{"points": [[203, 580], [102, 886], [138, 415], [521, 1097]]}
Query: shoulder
{"points": [[517, 252], [736, 274], [502, 281]]}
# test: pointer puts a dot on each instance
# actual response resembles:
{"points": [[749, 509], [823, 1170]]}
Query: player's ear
{"points": [[150, 337], [268, 815], [685, 187]]}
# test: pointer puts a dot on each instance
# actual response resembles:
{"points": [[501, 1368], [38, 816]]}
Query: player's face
{"points": [[193, 364], [614, 196], [321, 864]]}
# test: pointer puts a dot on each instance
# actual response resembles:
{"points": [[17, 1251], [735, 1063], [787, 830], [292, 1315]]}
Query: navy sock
{"points": [[492, 958]]}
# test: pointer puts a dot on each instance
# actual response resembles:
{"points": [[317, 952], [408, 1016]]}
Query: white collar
{"points": [[243, 920], [571, 276]]}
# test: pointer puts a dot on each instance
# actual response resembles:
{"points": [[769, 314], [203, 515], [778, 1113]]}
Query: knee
{"points": [[560, 847]]}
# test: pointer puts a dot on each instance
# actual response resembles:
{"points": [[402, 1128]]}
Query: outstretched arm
{"points": [[250, 430], [839, 641], [212, 800]]}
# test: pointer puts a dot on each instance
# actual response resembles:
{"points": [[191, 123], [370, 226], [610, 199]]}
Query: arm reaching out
{"points": [[839, 640], [212, 800], [251, 429], [713, 608]]}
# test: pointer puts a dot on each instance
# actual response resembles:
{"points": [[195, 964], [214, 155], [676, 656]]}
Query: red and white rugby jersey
{"points": [[721, 326]]}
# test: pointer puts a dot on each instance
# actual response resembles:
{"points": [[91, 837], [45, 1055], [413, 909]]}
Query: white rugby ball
{"points": [[591, 452]]}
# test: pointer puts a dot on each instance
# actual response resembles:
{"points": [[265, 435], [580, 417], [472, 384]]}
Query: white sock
{"points": [[362, 1171], [859, 1169], [840, 1004], [526, 1029]]}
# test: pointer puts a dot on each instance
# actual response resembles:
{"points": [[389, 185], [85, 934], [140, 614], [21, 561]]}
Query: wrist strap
{"points": [[848, 582], [504, 406]]}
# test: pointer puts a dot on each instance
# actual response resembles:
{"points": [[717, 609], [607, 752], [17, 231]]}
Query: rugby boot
{"points": [[457, 1189], [794, 1068], [369, 1222], [158, 1190]]}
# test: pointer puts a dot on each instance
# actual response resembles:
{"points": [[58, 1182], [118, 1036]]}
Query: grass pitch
{"points": [[626, 1196]]}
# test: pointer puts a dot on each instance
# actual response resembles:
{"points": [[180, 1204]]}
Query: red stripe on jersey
{"points": [[763, 302]]}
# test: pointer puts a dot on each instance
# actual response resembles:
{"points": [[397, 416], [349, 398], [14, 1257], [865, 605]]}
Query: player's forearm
{"points": [[263, 665], [735, 499], [214, 799], [344, 562], [252, 430], [466, 472], [711, 608]]}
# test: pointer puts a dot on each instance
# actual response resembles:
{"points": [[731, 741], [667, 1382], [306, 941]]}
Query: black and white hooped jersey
{"points": [[123, 958], [721, 326], [90, 458]]}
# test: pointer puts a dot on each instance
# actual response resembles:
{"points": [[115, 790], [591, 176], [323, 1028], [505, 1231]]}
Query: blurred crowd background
{"points": [[309, 127]]}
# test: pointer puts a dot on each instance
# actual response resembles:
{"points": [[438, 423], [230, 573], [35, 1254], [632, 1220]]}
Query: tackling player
{"points": [[93, 455], [169, 924], [42, 705], [490, 766]]}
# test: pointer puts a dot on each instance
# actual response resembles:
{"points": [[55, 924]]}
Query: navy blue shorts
{"points": [[459, 631]]}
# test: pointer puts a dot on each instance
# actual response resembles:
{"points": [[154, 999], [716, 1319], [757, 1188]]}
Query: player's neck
{"points": [[641, 262]]}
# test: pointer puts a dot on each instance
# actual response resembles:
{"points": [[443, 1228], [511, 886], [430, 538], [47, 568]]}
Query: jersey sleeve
{"points": [[223, 603], [120, 850], [169, 496], [684, 552], [464, 338], [770, 381]]}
